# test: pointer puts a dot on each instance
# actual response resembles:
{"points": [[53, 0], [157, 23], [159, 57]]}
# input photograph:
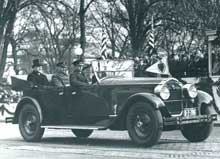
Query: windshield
{"points": [[113, 68]]}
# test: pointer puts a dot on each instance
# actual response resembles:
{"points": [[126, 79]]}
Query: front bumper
{"points": [[180, 120]]}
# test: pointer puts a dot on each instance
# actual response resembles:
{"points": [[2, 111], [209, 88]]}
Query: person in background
{"points": [[136, 66], [216, 65], [198, 61], [77, 77], [173, 65], [60, 78], [37, 78], [183, 67]]}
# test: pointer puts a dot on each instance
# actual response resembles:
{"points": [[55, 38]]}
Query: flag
{"points": [[104, 42], [160, 67], [104, 46], [151, 34], [151, 39]]}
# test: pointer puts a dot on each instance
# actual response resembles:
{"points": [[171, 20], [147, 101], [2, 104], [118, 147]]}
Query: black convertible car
{"points": [[143, 106]]}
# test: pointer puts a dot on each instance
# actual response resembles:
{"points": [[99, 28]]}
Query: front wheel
{"points": [[144, 124], [29, 123], [82, 133], [198, 132]]}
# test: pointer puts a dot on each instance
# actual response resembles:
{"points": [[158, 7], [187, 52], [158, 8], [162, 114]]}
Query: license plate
{"points": [[187, 112]]}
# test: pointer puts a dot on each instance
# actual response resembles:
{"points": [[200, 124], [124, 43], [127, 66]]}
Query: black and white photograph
{"points": [[116, 79]]}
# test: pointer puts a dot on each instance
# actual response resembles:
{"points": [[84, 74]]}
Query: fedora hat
{"points": [[36, 63], [76, 62]]}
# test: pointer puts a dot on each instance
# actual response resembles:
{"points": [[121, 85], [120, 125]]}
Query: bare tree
{"points": [[8, 11], [82, 12], [104, 18], [49, 32], [138, 21]]}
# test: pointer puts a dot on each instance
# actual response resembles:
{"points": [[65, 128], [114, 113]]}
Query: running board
{"points": [[84, 127]]}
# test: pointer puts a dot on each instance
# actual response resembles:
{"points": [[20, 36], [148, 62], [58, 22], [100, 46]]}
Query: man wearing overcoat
{"points": [[36, 77]]}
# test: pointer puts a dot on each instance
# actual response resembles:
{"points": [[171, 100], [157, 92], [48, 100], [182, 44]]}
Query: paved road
{"points": [[103, 144]]}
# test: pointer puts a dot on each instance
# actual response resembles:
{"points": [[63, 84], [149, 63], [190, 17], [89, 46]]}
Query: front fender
{"points": [[153, 100], [204, 98], [21, 103]]}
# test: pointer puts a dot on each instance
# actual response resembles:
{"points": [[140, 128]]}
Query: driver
{"points": [[60, 78], [77, 77]]}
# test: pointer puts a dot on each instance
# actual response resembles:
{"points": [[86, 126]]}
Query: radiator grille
{"points": [[175, 102]]}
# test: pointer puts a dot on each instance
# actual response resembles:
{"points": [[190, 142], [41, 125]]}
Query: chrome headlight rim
{"points": [[162, 91], [190, 90]]}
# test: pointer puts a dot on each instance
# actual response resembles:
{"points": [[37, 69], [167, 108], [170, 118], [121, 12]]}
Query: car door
{"points": [[53, 101], [86, 106]]}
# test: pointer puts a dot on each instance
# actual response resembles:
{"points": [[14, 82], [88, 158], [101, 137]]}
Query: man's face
{"points": [[39, 68], [184, 58], [77, 68]]}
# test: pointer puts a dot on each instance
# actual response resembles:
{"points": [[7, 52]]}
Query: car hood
{"points": [[132, 81]]}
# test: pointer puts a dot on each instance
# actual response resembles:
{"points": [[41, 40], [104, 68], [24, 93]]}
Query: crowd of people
{"points": [[194, 65]]}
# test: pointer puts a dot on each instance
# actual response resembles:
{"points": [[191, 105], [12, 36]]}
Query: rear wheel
{"points": [[82, 133], [144, 124], [198, 132], [29, 123]]}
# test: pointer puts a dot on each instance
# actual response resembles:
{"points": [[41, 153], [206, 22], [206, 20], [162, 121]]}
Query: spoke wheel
{"points": [[144, 124], [82, 133], [29, 123]]}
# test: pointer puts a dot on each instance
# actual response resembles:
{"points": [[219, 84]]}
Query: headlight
{"points": [[190, 90], [162, 91]]}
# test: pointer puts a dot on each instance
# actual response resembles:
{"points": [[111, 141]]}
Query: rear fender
{"points": [[24, 101]]}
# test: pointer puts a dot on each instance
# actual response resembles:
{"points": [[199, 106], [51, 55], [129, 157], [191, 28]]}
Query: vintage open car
{"points": [[117, 101]]}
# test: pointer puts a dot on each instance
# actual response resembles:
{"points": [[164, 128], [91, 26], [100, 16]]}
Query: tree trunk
{"points": [[136, 10], [136, 46], [14, 55], [82, 27], [112, 32], [5, 42], [113, 48]]}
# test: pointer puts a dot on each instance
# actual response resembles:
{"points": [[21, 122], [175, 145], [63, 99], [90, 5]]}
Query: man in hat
{"points": [[216, 65], [77, 77], [60, 78], [36, 77]]}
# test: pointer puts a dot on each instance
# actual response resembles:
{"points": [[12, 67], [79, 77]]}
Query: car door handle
{"points": [[73, 93], [61, 93]]}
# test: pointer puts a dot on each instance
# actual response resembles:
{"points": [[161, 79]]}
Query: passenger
{"points": [[60, 78], [36, 77], [77, 77]]}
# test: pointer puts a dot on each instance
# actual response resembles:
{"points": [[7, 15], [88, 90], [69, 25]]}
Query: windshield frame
{"points": [[112, 69]]}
